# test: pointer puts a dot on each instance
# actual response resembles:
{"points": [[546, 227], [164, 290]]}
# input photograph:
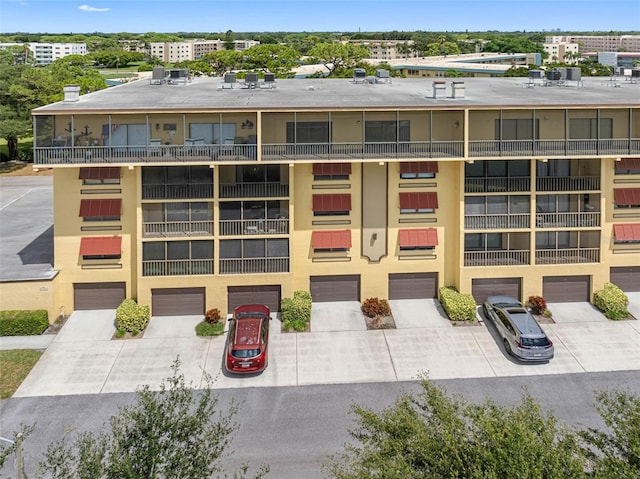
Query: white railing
{"points": [[568, 220], [496, 258], [254, 265], [567, 256], [554, 147], [254, 227], [502, 221], [177, 191], [578, 183], [179, 267], [253, 190], [177, 228]]}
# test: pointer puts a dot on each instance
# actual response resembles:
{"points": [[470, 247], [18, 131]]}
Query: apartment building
{"points": [[600, 43], [174, 52], [47, 53], [386, 49], [561, 52], [196, 196]]}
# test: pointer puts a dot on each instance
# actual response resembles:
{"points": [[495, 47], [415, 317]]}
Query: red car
{"points": [[247, 339]]}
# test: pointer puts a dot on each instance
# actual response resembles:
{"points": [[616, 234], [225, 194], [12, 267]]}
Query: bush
{"points": [[213, 316], [23, 323], [537, 304], [296, 311], [458, 306], [206, 328], [611, 301], [131, 317], [374, 307]]}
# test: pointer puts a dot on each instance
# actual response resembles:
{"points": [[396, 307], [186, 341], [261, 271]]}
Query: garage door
{"points": [[481, 288], [565, 289], [98, 295], [335, 288], [177, 301], [627, 278], [269, 295], [413, 285]]}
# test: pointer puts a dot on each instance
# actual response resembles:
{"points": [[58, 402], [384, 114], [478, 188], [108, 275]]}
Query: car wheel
{"points": [[507, 347]]}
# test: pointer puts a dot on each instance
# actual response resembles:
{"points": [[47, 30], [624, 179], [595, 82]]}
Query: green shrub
{"points": [[132, 317], [374, 307], [296, 311], [205, 328], [458, 306], [611, 301], [23, 323]]}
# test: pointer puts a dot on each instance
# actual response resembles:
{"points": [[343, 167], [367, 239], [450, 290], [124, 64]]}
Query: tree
{"points": [[229, 39], [338, 56], [224, 60], [278, 59], [615, 452], [432, 435], [170, 433]]}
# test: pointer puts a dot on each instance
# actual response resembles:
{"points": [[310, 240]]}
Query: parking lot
{"points": [[83, 358]]}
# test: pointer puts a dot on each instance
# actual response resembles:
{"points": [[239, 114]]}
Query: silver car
{"points": [[522, 335]]}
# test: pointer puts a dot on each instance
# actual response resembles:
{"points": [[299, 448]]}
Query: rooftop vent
{"points": [[229, 80], [269, 79], [457, 89], [439, 89], [71, 93], [383, 76], [158, 76], [359, 75], [251, 80]]}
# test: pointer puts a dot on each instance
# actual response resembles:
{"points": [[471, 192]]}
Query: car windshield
{"points": [[535, 342], [244, 353]]}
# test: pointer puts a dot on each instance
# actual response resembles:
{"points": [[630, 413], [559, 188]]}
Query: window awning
{"points": [[100, 208], [332, 202], [419, 167], [628, 164], [626, 196], [419, 201], [332, 168], [101, 246], [627, 232], [418, 237], [97, 173], [340, 239]]}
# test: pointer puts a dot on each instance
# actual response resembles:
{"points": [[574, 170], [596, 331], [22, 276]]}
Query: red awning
{"points": [[627, 232], [100, 208], [626, 196], [101, 246], [419, 201], [419, 167], [97, 173], [332, 202], [331, 239], [418, 237], [628, 164], [332, 168]]}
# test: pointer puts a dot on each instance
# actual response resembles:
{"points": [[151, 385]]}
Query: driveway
{"points": [[418, 313], [581, 312], [337, 316], [634, 304]]}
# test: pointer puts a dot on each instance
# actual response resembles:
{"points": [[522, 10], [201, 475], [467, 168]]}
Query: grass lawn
{"points": [[15, 365]]}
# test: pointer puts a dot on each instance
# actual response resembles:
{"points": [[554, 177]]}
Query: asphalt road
{"points": [[294, 429]]}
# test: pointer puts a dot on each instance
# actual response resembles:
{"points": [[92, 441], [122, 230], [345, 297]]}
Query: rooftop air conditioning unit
{"points": [[158, 73], [536, 74], [574, 74], [359, 74]]}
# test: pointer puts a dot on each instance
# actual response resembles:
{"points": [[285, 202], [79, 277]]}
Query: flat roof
{"points": [[206, 94]]}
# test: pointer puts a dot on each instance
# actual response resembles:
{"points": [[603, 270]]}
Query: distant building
{"points": [[47, 53], [174, 52], [618, 59], [600, 43], [386, 49], [561, 52]]}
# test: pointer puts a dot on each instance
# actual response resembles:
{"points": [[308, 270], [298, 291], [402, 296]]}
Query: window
{"points": [[627, 166], [126, 135], [626, 197], [177, 250], [331, 171], [100, 176], [258, 173], [497, 168], [483, 241], [423, 202], [100, 210], [212, 133], [493, 205], [254, 248], [517, 129], [587, 128], [331, 205], [308, 132], [386, 131], [418, 169]]}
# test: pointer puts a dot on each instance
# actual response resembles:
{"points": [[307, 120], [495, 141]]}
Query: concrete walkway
{"points": [[83, 359]]}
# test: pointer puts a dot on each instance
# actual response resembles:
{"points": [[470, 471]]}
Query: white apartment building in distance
{"points": [[174, 52], [599, 43], [561, 52], [47, 53]]}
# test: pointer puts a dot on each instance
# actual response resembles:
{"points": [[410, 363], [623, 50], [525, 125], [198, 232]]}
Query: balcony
{"points": [[567, 256], [495, 185], [254, 227], [497, 258], [172, 229], [254, 265], [179, 267], [559, 147], [568, 220], [556, 183], [253, 190], [177, 191], [501, 221]]}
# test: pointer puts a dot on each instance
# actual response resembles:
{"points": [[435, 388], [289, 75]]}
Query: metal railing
{"points": [[567, 256], [501, 221], [496, 185], [177, 191], [253, 190], [254, 265], [565, 183], [497, 258], [555, 147], [253, 227], [568, 220], [177, 267], [177, 228]]}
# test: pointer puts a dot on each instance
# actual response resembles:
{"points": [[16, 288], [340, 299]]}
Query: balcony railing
{"points": [[253, 227], [253, 190], [254, 265], [496, 185], [567, 256], [497, 258], [568, 220], [559, 147], [177, 228], [177, 267], [556, 183], [502, 221], [177, 191]]}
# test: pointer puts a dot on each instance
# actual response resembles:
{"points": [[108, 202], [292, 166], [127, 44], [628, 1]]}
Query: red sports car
{"points": [[248, 339]]}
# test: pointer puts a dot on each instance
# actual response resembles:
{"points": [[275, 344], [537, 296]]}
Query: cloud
{"points": [[87, 8]]}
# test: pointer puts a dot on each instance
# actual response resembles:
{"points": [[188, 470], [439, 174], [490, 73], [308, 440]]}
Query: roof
{"points": [[206, 94], [247, 333]]}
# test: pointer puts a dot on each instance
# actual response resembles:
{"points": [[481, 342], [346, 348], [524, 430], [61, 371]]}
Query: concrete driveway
{"points": [[634, 304], [581, 312], [418, 313]]}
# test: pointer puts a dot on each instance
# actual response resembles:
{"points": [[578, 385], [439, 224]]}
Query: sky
{"points": [[140, 16]]}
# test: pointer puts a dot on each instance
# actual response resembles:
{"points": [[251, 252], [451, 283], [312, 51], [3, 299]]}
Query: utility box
{"points": [[439, 89], [457, 89]]}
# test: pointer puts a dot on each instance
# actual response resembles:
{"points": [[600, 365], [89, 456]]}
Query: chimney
{"points": [[71, 93]]}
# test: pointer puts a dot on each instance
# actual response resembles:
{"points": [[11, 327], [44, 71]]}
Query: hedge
{"points": [[296, 311], [23, 323], [458, 306], [132, 317], [612, 301]]}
